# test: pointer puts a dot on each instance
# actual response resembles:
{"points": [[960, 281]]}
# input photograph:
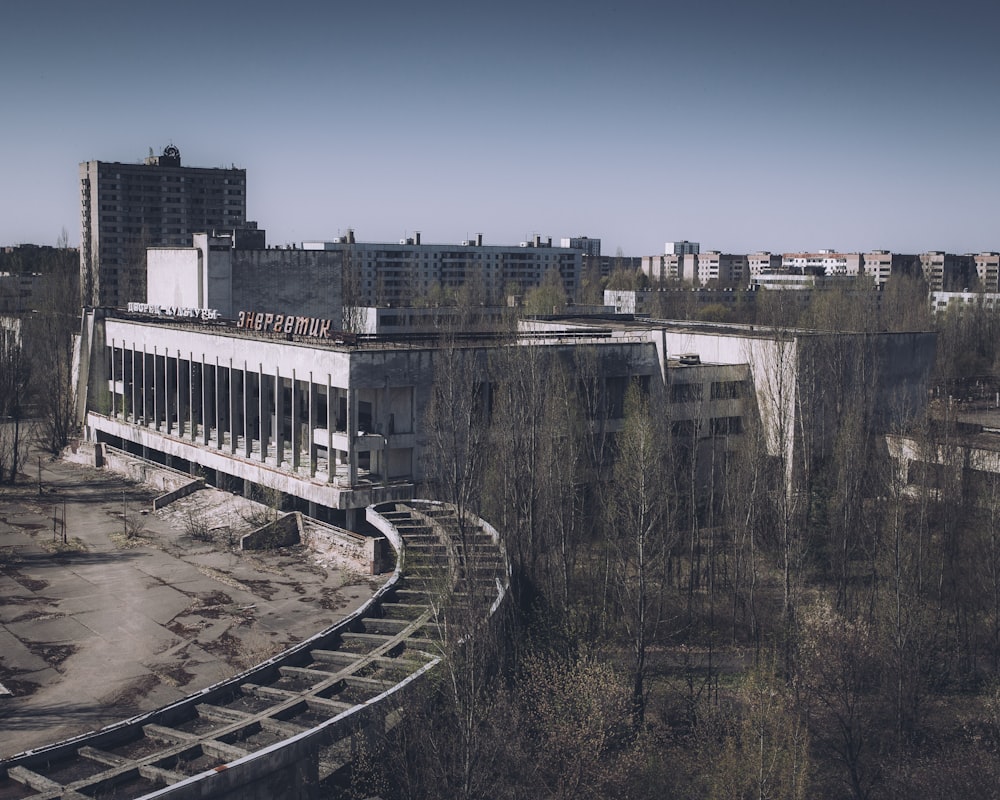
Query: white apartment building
{"points": [[665, 268], [988, 271], [763, 263], [379, 273], [699, 269], [828, 262]]}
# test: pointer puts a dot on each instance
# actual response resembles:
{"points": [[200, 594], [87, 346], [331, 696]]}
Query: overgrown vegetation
{"points": [[709, 620], [37, 399]]}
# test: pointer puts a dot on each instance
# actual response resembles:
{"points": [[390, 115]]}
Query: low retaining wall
{"points": [[282, 532], [181, 491], [365, 554]]}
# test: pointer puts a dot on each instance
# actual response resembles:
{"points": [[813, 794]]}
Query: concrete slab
{"points": [[130, 628], [52, 630], [16, 658], [27, 608]]}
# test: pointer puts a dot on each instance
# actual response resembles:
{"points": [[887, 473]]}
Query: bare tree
{"points": [[51, 331], [15, 388], [641, 532], [456, 424]]}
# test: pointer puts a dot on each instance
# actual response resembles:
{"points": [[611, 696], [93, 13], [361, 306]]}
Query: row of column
{"points": [[176, 395]]}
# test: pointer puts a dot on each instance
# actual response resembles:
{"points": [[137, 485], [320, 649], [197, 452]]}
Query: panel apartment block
{"points": [[125, 208]]}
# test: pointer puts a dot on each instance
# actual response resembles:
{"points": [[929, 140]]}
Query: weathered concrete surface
{"points": [[105, 627]]}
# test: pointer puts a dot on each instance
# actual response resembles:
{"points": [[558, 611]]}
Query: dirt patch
{"points": [[53, 654], [58, 547], [331, 599], [17, 687], [174, 676], [182, 631], [264, 589], [242, 653], [212, 605], [31, 584]]}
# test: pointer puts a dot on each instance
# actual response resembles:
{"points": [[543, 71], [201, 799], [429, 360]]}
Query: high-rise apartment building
{"points": [[125, 208], [988, 271]]}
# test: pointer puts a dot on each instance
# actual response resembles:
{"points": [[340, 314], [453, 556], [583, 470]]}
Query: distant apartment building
{"points": [[988, 271], [17, 291], [823, 262], [125, 208], [698, 269], [397, 274], [880, 265], [606, 265], [682, 248], [947, 272], [960, 301], [763, 263], [586, 245], [667, 268], [721, 269]]}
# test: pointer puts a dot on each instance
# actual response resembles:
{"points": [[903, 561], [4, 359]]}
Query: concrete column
{"points": [[296, 422], [233, 430], [125, 388], [279, 418], [181, 394], [169, 392], [145, 417], [219, 432], [158, 376], [352, 433], [247, 406], [263, 411], [135, 407], [312, 427], [206, 384], [118, 401], [331, 421], [192, 416]]}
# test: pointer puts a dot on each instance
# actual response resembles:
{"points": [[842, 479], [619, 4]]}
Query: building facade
{"points": [[125, 208], [988, 271], [824, 262], [230, 274], [682, 248], [337, 425], [399, 274]]}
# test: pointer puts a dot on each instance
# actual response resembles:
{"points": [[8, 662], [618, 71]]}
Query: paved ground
{"points": [[106, 626]]}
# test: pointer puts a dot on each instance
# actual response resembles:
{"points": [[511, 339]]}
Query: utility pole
{"points": [[124, 515]]}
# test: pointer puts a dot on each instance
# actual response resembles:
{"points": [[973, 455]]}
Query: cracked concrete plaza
{"points": [[104, 626]]}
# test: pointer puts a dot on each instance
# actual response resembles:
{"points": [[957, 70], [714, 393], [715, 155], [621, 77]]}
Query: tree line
{"points": [[695, 615], [37, 396]]}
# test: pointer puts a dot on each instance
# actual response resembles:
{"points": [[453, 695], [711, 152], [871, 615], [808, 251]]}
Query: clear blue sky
{"points": [[779, 124]]}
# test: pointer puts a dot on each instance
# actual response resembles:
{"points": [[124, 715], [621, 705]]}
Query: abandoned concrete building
{"points": [[336, 422]]}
